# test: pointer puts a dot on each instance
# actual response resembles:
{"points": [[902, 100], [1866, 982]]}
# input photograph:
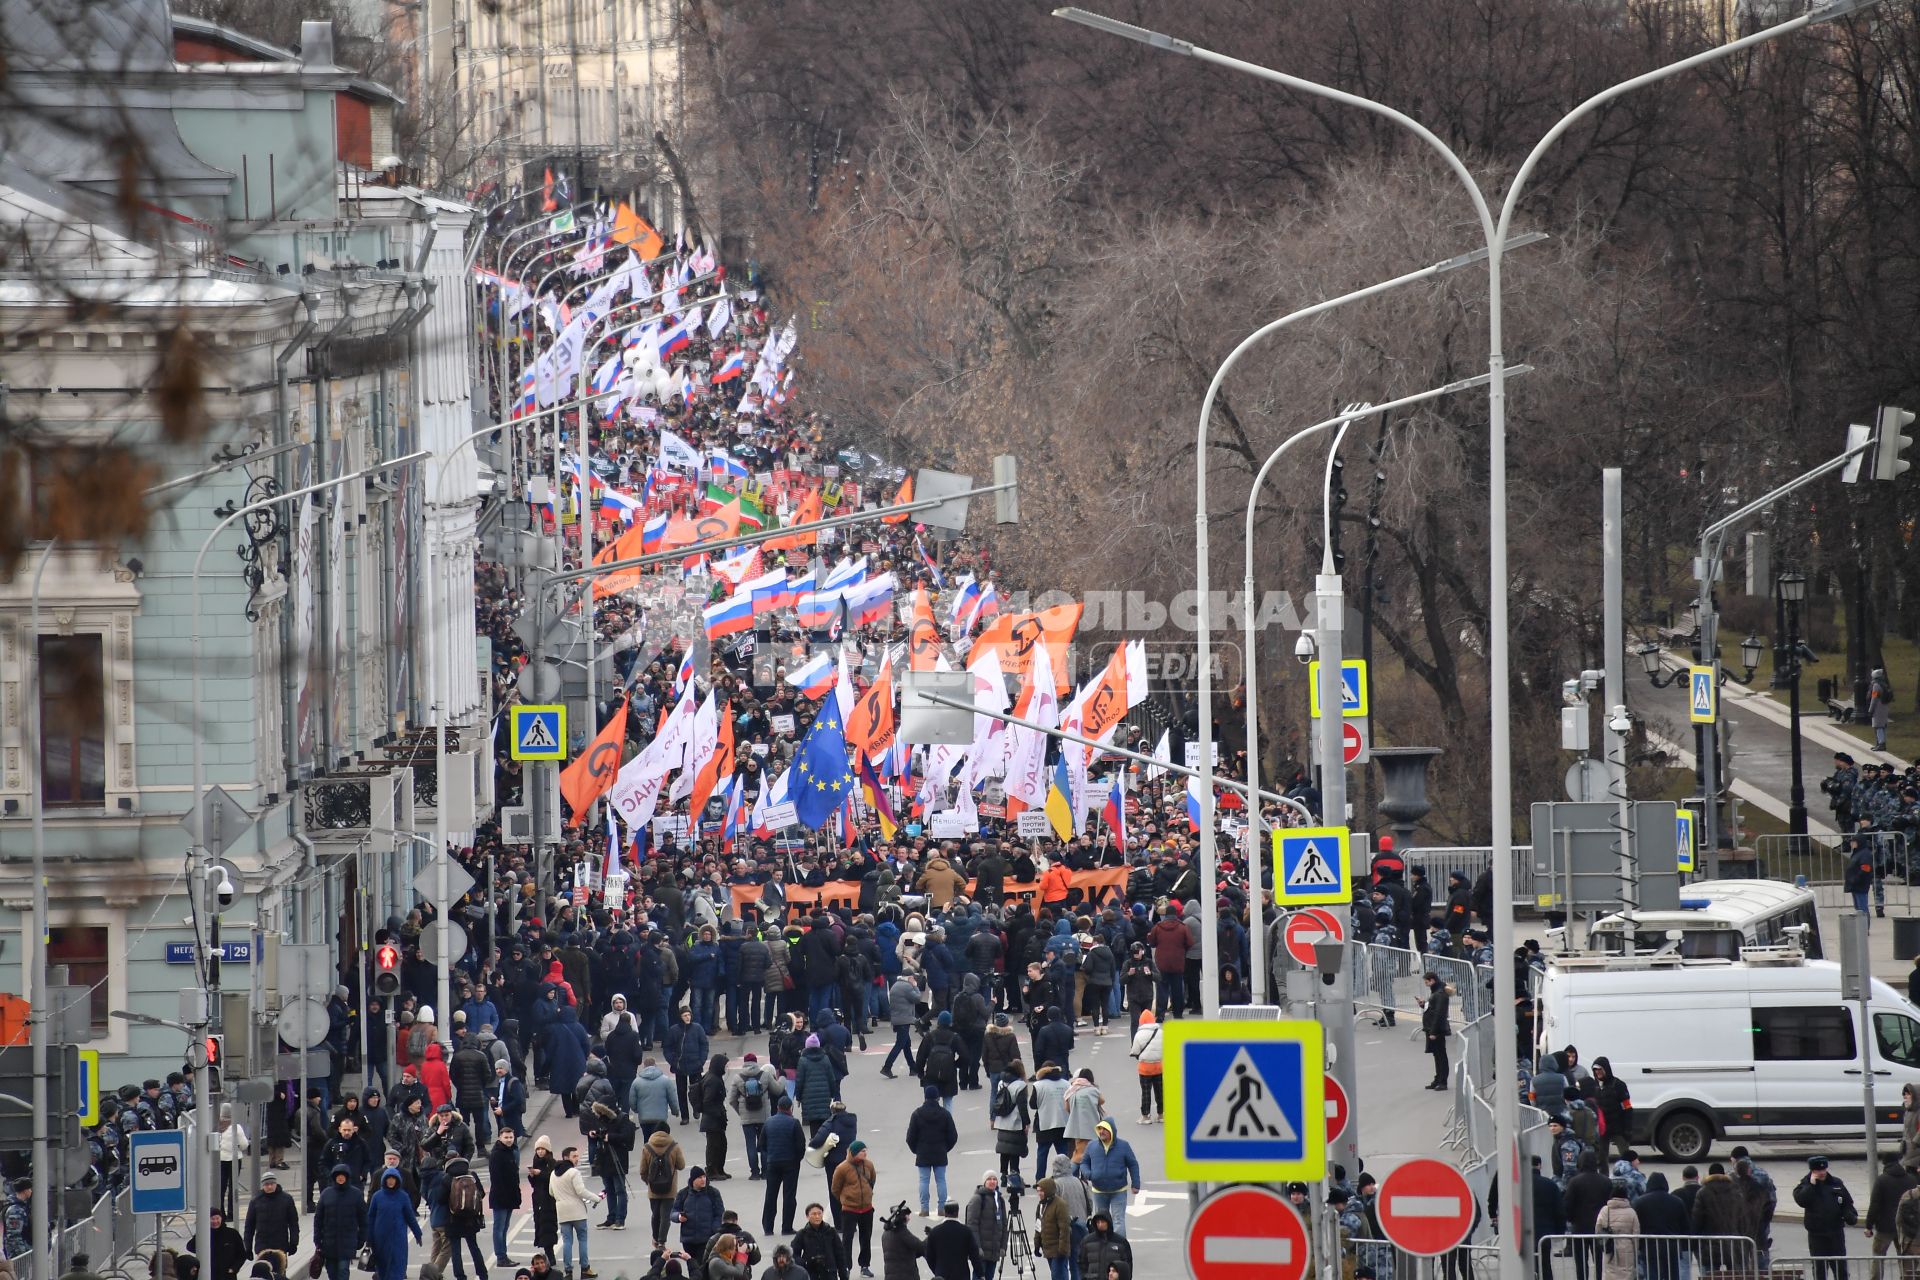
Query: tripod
{"points": [[1019, 1260]]}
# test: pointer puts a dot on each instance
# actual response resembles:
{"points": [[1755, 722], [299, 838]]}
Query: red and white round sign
{"points": [[1426, 1207], [1336, 1110], [1306, 928], [1352, 742], [1246, 1233]]}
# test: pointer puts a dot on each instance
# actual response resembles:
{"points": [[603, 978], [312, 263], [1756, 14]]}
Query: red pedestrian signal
{"points": [[386, 968]]}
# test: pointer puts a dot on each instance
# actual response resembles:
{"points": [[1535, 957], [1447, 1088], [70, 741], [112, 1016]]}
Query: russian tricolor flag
{"points": [[963, 598], [624, 505], [815, 678], [1115, 812], [1193, 802], [933, 567], [729, 616], [674, 339], [732, 367], [770, 591], [816, 608], [722, 463], [868, 603], [653, 534], [684, 677], [736, 790], [845, 574]]}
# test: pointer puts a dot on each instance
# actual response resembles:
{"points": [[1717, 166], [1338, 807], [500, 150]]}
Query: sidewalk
{"points": [[1762, 751]]}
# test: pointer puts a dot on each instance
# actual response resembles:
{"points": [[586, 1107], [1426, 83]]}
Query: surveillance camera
{"points": [[225, 890], [1619, 720], [1303, 649], [1570, 691]]}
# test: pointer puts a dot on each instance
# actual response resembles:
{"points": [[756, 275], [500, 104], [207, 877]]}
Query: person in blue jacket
{"points": [[698, 1209], [702, 977], [1110, 1167], [480, 1011], [685, 1045], [566, 1055], [390, 1219]]}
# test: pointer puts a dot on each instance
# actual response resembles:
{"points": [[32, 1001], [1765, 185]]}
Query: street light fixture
{"points": [[1787, 659], [1750, 650]]}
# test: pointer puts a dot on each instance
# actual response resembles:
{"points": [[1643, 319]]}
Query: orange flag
{"points": [[625, 547], [591, 774], [808, 511], [923, 636], [870, 727], [1016, 634], [630, 229], [900, 499], [722, 522], [1108, 700], [547, 201], [718, 766]]}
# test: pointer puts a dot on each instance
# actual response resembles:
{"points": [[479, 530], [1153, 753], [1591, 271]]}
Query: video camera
{"points": [[898, 1216]]}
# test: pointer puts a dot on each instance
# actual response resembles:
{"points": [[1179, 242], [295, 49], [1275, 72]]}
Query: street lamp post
{"points": [[1793, 590], [1499, 678], [204, 1126]]}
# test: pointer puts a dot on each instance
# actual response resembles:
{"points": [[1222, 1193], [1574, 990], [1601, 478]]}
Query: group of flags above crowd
{"points": [[632, 320]]}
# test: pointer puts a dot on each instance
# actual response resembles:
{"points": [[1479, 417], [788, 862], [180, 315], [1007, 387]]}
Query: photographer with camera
{"points": [[900, 1249]]}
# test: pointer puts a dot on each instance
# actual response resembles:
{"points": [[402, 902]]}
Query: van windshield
{"points": [[1695, 944], [1898, 1038]]}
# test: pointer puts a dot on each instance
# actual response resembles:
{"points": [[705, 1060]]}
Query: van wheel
{"points": [[1685, 1135]]}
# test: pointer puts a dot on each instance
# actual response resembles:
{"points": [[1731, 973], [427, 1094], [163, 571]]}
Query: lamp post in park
{"points": [[1494, 229]]}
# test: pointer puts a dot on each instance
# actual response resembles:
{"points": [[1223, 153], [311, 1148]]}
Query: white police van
{"points": [[1759, 1048], [1718, 918]]}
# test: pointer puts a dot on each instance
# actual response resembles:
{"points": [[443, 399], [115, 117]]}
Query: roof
{"points": [[266, 58], [239, 41]]}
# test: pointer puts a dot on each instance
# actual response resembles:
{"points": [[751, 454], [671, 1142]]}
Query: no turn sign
{"points": [[1426, 1207], [1246, 1233], [1355, 748], [1336, 1110]]}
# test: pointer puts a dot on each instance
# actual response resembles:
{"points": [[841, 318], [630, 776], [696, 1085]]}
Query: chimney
{"points": [[316, 46]]}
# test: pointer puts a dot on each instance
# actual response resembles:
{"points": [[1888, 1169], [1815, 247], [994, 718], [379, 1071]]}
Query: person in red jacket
{"points": [[1170, 939], [434, 1075], [558, 978]]}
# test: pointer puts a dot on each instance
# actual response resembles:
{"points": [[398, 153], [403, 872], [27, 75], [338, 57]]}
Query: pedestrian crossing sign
{"points": [[1703, 700], [1246, 1101], [1310, 866], [537, 732], [1353, 688], [1683, 843]]}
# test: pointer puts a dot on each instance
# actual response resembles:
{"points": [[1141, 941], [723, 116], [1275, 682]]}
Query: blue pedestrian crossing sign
{"points": [[1246, 1101], [1703, 695], [1353, 688], [1310, 866], [1683, 842], [537, 732]]}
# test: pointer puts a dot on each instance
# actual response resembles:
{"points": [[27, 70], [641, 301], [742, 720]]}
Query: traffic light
{"points": [[1889, 444], [386, 968], [216, 1062]]}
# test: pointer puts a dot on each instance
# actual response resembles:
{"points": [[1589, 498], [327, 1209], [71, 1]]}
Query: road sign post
{"points": [[1426, 1207], [1246, 1101], [1247, 1233]]}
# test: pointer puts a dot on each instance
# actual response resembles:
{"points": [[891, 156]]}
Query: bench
{"points": [[1840, 709], [1676, 637]]}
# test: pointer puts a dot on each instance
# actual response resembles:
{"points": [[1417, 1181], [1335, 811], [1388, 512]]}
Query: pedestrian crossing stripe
{"points": [[1246, 1101], [1703, 702], [537, 733], [1311, 866], [1353, 688]]}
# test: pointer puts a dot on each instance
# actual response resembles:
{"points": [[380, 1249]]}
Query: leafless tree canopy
{"points": [[1016, 233]]}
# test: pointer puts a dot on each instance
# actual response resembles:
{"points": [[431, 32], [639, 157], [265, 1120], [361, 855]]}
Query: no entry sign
{"points": [[1246, 1233], [1426, 1207], [1336, 1110], [1305, 928]]}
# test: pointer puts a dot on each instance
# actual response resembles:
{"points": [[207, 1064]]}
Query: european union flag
{"points": [[822, 774]]}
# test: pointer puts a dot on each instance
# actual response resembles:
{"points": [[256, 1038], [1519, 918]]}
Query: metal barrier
{"points": [[106, 1236], [1651, 1257], [1470, 861], [1821, 865], [1854, 1266]]}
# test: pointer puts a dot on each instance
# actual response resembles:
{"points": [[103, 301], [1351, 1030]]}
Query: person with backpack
{"points": [[1011, 1110], [661, 1161], [466, 1210], [939, 1065], [1147, 1050], [752, 1100]]}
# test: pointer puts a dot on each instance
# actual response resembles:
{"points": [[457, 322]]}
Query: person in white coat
{"points": [[572, 1202], [231, 1139]]}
